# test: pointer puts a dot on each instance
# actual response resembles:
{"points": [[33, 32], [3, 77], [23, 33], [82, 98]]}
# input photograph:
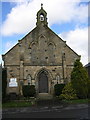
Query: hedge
{"points": [[28, 90]]}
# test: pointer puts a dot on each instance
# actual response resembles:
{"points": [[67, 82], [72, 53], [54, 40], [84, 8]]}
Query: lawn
{"points": [[17, 104], [13, 104], [78, 101]]}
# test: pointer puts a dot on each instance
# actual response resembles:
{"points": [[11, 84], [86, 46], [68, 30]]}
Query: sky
{"points": [[67, 18]]}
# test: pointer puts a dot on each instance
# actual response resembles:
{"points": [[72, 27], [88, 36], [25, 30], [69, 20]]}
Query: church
{"points": [[41, 58]]}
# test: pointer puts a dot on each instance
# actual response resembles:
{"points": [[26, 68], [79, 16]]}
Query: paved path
{"points": [[79, 111]]}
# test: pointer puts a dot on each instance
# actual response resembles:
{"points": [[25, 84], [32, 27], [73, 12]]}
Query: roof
{"points": [[87, 65]]}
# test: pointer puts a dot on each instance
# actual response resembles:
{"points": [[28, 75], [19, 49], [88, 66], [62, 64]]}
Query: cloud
{"points": [[14, 0], [31, 0], [89, 45], [78, 41], [0, 59], [8, 45], [22, 17]]}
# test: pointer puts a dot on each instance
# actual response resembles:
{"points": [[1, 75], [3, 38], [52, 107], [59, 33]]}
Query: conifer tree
{"points": [[79, 79]]}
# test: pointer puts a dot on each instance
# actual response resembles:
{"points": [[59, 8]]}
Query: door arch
{"points": [[43, 82]]}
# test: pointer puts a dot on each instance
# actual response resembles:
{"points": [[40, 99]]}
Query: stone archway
{"points": [[43, 82]]}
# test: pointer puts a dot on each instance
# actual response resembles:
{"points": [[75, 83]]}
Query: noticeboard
{"points": [[13, 82]]}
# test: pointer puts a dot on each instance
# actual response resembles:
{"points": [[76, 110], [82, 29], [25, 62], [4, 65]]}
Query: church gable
{"points": [[41, 47]]}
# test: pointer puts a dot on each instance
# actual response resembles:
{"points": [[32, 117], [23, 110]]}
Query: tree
{"points": [[68, 92], [79, 79]]}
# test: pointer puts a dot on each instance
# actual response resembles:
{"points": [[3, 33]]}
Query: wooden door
{"points": [[43, 82]]}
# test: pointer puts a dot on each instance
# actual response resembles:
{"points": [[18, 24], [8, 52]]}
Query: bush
{"points": [[28, 90], [68, 92], [58, 89]]}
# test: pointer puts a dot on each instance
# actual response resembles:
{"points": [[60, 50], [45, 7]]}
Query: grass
{"points": [[78, 101], [14, 104]]}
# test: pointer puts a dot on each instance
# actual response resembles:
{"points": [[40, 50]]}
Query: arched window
{"points": [[41, 17], [51, 49], [34, 53], [29, 80], [43, 49], [58, 79]]}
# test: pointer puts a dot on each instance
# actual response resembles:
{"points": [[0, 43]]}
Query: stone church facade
{"points": [[41, 58]]}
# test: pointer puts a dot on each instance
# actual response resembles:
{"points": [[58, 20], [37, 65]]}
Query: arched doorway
{"points": [[43, 82]]}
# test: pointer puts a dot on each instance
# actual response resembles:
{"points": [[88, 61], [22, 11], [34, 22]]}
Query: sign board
{"points": [[13, 82]]}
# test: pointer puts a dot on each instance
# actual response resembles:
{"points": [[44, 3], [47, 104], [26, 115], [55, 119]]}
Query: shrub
{"points": [[28, 90], [68, 92], [58, 89]]}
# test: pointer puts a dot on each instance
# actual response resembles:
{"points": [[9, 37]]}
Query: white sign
{"points": [[13, 82]]}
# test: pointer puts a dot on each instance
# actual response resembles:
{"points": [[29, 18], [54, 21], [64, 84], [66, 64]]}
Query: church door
{"points": [[43, 83]]}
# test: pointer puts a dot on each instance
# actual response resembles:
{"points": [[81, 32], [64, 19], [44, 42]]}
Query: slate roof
{"points": [[88, 65]]}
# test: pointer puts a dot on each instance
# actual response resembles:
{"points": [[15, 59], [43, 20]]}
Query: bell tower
{"points": [[41, 17]]}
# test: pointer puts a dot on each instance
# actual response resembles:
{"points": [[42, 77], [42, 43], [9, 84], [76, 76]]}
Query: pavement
{"points": [[71, 111], [43, 108]]}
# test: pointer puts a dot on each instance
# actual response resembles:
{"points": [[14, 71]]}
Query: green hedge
{"points": [[28, 90], [58, 89]]}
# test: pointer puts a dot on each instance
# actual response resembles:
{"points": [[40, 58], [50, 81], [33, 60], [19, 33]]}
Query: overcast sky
{"points": [[67, 18]]}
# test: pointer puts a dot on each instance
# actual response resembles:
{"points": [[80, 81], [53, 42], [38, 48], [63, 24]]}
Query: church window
{"points": [[51, 52], [58, 78], [34, 53], [29, 80]]}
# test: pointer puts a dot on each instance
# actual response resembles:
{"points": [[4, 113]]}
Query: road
{"points": [[77, 112]]}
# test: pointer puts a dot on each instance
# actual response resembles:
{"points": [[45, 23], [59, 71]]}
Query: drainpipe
{"points": [[63, 66]]}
